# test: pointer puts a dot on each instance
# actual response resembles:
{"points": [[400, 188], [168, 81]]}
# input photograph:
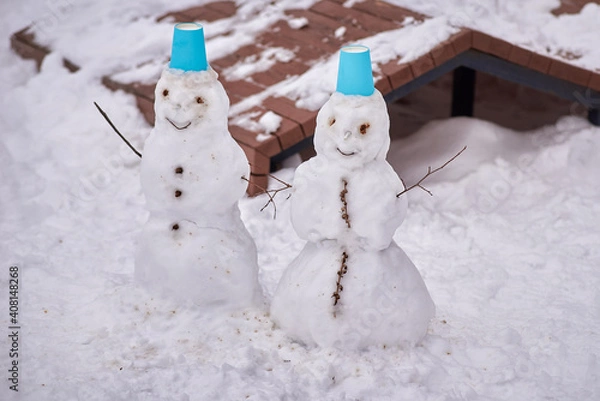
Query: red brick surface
{"points": [[398, 74], [572, 6], [327, 25], [23, 42], [442, 53], [382, 83], [147, 109], [209, 12], [422, 65], [225, 8], [259, 163], [352, 17], [594, 81], [382, 9], [520, 56], [569, 72], [258, 184], [539, 63], [287, 108], [462, 40], [315, 42], [239, 56], [267, 148], [289, 133], [279, 72], [239, 90], [491, 45]]}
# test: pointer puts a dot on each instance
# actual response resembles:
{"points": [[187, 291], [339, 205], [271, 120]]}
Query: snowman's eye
{"points": [[166, 93], [199, 100], [331, 121], [364, 127]]}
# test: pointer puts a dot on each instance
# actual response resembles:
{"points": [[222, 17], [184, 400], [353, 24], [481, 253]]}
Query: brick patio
{"points": [[316, 41]]}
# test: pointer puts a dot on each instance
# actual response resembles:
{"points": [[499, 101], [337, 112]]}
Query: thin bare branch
{"points": [[116, 130], [429, 172], [271, 193]]}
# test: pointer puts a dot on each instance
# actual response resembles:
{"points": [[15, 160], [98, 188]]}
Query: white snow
{"points": [[258, 63], [270, 122], [338, 33], [508, 248], [529, 24], [298, 23]]}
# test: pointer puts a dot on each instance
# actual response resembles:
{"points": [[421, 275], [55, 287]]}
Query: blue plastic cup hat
{"points": [[189, 49], [355, 76]]}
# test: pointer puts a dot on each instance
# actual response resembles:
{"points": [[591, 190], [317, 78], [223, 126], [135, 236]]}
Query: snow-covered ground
{"points": [[508, 247]]}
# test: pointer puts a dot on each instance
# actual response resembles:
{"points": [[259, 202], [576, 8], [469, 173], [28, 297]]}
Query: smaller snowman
{"points": [[195, 246], [351, 286]]}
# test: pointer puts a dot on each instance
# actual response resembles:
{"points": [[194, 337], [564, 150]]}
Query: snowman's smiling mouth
{"points": [[345, 153], [177, 127]]}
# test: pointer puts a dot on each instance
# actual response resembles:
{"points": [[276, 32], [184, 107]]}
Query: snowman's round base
{"points": [[209, 267], [384, 300]]}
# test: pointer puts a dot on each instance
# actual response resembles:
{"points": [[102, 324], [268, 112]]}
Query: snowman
{"points": [[351, 286], [194, 246]]}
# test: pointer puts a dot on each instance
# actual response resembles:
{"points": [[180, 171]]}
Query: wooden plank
{"points": [[491, 45], [398, 74], [287, 108], [328, 26], [461, 41], [442, 53], [594, 82], [387, 11], [353, 17], [239, 90], [289, 133], [569, 72], [225, 8], [305, 53], [539, 63], [571, 6], [278, 73], [382, 84], [267, 148], [308, 35], [259, 163], [238, 56], [422, 65], [258, 184], [520, 56], [146, 107], [175, 17], [23, 43], [208, 13], [136, 88]]}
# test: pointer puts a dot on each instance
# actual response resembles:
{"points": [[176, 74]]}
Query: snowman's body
{"points": [[345, 205], [195, 246]]}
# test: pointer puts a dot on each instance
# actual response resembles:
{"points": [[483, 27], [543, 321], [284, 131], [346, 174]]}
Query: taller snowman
{"points": [[351, 286], [195, 246]]}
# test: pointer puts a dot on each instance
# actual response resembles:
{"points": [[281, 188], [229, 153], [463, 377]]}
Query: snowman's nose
{"points": [[347, 134]]}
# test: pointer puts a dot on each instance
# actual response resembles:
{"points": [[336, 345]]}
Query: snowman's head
{"points": [[186, 100], [353, 130]]}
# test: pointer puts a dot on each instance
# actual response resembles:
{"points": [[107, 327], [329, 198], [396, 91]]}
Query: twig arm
{"points": [[116, 130], [271, 193], [429, 172]]}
